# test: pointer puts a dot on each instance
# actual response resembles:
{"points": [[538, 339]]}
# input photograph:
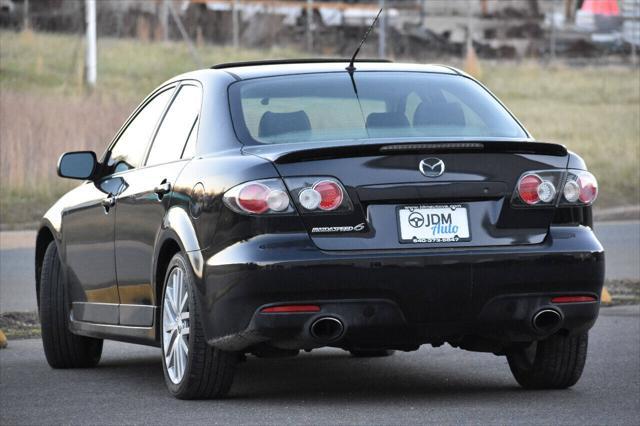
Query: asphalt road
{"points": [[621, 241], [435, 386]]}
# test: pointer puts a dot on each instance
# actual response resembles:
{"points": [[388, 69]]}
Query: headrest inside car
{"points": [[387, 119], [439, 114], [280, 123]]}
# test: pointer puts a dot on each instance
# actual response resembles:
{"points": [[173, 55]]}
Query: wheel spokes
{"points": [[177, 284], [183, 301], [176, 325], [170, 304]]}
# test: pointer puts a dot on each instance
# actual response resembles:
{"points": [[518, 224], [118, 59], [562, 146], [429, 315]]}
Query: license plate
{"points": [[433, 224]]}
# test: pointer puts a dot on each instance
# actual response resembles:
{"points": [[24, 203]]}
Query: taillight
{"points": [[267, 196], [580, 187], [252, 198], [546, 188], [528, 188], [330, 194], [318, 194], [534, 189]]}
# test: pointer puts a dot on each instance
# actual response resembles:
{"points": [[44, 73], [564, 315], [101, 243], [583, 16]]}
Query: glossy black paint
{"points": [[116, 232], [140, 212]]}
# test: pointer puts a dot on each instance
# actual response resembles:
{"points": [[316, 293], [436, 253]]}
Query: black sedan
{"points": [[268, 208]]}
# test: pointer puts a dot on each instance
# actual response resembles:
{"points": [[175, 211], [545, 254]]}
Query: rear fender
{"points": [[178, 227]]}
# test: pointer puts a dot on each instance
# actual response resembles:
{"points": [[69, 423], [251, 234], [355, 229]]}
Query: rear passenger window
{"points": [[176, 126]]}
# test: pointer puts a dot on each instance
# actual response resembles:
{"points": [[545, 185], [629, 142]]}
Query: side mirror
{"points": [[77, 165]]}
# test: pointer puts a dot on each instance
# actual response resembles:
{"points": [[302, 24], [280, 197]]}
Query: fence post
{"points": [[235, 23], [90, 53], [26, 15], [164, 19], [185, 36], [309, 25], [382, 38], [553, 31]]}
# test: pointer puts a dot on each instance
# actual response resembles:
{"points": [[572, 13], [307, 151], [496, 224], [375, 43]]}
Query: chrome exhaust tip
{"points": [[327, 329], [546, 321]]}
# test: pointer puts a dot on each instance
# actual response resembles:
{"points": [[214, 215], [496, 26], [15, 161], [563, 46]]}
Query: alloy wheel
{"points": [[175, 325]]}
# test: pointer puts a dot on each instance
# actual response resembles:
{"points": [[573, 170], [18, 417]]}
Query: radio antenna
{"points": [[351, 68]]}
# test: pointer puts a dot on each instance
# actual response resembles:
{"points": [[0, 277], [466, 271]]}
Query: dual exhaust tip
{"points": [[327, 329], [546, 321]]}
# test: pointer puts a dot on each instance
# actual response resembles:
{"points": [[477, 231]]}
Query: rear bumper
{"points": [[397, 299]]}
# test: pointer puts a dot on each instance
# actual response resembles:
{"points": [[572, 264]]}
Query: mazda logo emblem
{"points": [[431, 167]]}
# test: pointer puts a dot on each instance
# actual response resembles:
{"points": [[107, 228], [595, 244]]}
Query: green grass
{"points": [[594, 111], [127, 68], [23, 207]]}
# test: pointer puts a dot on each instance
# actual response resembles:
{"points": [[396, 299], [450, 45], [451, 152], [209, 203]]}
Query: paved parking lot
{"points": [[434, 386], [437, 386]]}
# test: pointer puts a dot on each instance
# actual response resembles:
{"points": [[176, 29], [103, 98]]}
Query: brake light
{"points": [[330, 194], [253, 198], [581, 187], [546, 188], [267, 196], [319, 194], [528, 188], [588, 188]]}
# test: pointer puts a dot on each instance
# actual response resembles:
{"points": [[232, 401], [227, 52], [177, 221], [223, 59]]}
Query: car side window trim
{"points": [[193, 132]]}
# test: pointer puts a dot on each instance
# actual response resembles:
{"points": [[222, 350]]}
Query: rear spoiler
{"points": [[297, 154]]}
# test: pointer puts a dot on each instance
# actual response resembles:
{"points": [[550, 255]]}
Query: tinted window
{"points": [[128, 152], [324, 107], [176, 126]]}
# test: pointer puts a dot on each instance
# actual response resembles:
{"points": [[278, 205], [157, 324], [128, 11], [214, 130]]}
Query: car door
{"points": [[89, 227], [141, 207], [87, 241]]}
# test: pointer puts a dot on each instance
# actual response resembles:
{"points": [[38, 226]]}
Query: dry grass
{"points": [[38, 129], [44, 110], [35, 131], [127, 69], [593, 111]]}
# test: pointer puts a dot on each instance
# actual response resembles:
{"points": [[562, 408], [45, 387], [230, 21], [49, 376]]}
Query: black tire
{"points": [[62, 348], [209, 371], [554, 363], [371, 353]]}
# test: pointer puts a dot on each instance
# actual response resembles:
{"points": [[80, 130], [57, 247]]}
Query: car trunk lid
{"points": [[383, 178]]}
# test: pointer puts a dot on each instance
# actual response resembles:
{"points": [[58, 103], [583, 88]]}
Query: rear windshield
{"points": [[325, 107]]}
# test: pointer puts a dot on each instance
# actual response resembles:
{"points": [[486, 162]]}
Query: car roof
{"points": [[247, 70]]}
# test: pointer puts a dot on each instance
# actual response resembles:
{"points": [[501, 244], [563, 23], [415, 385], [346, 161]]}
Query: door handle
{"points": [[163, 189], [108, 202]]}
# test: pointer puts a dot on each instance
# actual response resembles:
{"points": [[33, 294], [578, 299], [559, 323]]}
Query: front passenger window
{"points": [[128, 152]]}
